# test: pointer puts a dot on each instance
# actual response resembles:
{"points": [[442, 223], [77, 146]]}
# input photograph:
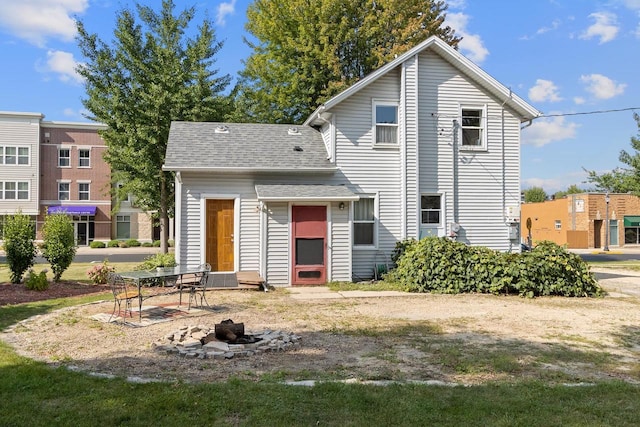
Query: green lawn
{"points": [[33, 394]]}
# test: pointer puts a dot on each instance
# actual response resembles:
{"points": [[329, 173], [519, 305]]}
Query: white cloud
{"points": [[457, 4], [542, 30], [558, 183], [544, 131], [578, 100], [544, 90], [37, 20], [62, 64], [632, 4], [224, 9], [602, 87], [471, 44], [606, 27]]}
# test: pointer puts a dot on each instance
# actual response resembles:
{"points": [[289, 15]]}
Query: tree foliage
{"points": [[59, 246], [18, 245], [151, 74], [306, 51], [622, 179], [573, 189], [535, 195]]}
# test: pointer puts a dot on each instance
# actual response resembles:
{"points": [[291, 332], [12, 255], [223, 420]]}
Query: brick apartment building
{"points": [[48, 167], [579, 220]]}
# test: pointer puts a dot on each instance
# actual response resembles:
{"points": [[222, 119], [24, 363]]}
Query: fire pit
{"points": [[224, 342]]}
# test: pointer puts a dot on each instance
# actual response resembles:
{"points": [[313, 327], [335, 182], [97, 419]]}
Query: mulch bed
{"points": [[18, 293]]}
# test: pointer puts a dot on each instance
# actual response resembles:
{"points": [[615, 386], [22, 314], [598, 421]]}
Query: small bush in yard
{"points": [[36, 282], [18, 245], [441, 265], [97, 244], [157, 260], [99, 273], [113, 243], [59, 243], [133, 243]]}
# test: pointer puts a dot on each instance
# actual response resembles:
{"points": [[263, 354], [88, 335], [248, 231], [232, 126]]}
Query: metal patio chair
{"points": [[196, 284], [122, 292]]}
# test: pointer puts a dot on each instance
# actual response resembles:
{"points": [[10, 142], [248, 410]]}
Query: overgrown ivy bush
{"points": [[441, 265], [18, 245]]}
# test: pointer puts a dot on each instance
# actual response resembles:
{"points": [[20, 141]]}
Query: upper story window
{"points": [[14, 155], [84, 155], [64, 157], [474, 129], [12, 190], [83, 191], [364, 221], [385, 119], [430, 209], [63, 191]]}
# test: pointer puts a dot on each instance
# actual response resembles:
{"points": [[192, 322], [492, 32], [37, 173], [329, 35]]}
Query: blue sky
{"points": [[565, 57]]}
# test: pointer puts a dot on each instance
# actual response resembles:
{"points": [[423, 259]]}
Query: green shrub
{"points": [[36, 282], [59, 243], [99, 273], [441, 265], [97, 244], [113, 244], [157, 260], [170, 243], [147, 244], [156, 243], [123, 244], [133, 243], [18, 245]]}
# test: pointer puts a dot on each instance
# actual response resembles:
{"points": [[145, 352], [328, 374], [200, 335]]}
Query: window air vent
{"points": [[222, 129], [297, 148], [294, 131]]}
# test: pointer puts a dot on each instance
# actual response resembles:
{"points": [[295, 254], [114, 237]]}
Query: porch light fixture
{"points": [[341, 206]]}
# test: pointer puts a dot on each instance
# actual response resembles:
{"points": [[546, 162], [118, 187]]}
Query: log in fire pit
{"points": [[231, 333]]}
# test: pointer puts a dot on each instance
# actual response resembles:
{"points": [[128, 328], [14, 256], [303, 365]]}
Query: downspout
{"points": [[455, 171], [177, 218], [403, 155], [504, 169]]}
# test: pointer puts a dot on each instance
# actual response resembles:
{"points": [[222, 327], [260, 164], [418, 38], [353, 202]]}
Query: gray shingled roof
{"points": [[245, 146], [304, 192]]}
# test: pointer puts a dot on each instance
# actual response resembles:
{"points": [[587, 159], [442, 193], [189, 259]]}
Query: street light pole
{"points": [[606, 225]]}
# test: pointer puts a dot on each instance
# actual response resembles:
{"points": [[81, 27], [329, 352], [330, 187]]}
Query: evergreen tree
{"points": [[149, 76]]}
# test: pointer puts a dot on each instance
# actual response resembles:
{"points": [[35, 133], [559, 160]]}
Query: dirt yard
{"points": [[464, 339]]}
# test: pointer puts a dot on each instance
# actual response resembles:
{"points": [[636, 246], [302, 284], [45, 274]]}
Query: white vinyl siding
{"points": [[371, 171], [20, 133], [478, 199], [340, 243], [278, 259]]}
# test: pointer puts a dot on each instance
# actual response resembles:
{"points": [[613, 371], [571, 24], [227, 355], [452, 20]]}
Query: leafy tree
{"points": [[535, 194], [309, 50], [59, 246], [573, 189], [18, 245], [150, 75], [622, 179]]}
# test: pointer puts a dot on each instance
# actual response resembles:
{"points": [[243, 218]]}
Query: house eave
{"points": [[239, 170]]}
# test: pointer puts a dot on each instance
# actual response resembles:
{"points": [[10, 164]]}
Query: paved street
{"points": [[86, 254]]}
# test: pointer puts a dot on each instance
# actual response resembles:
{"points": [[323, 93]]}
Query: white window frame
{"points": [[373, 222], [13, 190], [81, 192], [123, 219], [24, 157], [440, 211], [482, 128], [558, 224], [68, 190], [67, 157], [374, 119], [14, 155], [24, 191], [80, 158]]}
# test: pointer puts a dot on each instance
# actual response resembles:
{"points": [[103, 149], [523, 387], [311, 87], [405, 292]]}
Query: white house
{"points": [[428, 145]]}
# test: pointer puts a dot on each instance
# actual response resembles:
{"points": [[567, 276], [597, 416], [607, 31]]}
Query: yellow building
{"points": [[578, 220]]}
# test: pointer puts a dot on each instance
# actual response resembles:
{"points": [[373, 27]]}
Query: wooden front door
{"points": [[309, 245], [219, 235]]}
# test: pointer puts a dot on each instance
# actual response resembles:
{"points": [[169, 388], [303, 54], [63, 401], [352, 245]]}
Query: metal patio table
{"points": [[142, 277]]}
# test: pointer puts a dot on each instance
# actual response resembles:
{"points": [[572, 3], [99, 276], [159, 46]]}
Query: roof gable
{"points": [[241, 147], [455, 58]]}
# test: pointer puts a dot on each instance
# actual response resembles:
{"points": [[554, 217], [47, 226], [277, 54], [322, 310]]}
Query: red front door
{"points": [[309, 245]]}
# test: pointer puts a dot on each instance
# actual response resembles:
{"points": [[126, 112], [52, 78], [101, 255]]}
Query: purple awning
{"points": [[72, 210]]}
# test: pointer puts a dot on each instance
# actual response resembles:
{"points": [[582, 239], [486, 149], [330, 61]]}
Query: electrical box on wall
{"points": [[512, 213], [514, 232]]}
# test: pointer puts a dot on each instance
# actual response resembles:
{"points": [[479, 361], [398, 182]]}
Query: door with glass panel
{"points": [[309, 245]]}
